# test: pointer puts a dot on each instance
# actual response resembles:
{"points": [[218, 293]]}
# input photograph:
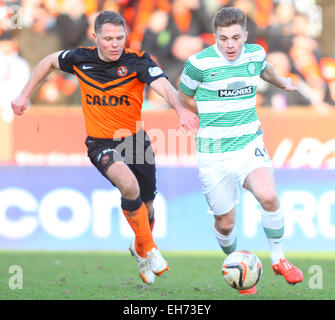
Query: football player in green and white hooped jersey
{"points": [[219, 84]]}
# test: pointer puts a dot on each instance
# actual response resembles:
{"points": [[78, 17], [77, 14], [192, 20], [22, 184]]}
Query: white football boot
{"points": [[143, 265], [157, 262]]}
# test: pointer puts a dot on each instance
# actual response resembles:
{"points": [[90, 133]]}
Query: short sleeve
{"points": [[264, 65], [264, 59], [190, 79], [66, 60], [148, 70]]}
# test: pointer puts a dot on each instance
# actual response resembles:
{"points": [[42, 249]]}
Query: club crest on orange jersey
{"points": [[122, 71]]}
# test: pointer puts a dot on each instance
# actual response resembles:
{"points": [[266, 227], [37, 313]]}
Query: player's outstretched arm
{"points": [[44, 67], [270, 75], [188, 101], [187, 119]]}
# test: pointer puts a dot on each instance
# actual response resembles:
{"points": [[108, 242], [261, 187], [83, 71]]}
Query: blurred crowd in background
{"points": [[171, 31]]}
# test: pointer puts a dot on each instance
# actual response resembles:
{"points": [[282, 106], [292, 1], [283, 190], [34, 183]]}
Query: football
{"points": [[242, 269]]}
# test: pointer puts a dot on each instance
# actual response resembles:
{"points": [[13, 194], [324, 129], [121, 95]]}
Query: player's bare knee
{"points": [[269, 202], [224, 227], [130, 190]]}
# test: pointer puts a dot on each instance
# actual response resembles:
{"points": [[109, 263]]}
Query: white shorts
{"points": [[222, 178]]}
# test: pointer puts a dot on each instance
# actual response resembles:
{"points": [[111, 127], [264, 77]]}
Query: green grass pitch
{"points": [[193, 276]]}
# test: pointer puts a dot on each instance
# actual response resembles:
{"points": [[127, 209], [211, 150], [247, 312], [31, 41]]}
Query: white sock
{"points": [[273, 225], [276, 250], [226, 242]]}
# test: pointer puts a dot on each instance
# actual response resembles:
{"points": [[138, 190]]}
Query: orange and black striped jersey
{"points": [[111, 92]]}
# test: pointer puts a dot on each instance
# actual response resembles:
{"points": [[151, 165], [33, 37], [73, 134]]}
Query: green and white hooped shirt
{"points": [[225, 94]]}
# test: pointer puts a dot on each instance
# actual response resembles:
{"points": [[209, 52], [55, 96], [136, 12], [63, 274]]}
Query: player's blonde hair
{"points": [[228, 16]]}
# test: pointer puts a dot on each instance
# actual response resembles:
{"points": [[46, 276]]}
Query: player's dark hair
{"points": [[108, 17], [228, 16]]}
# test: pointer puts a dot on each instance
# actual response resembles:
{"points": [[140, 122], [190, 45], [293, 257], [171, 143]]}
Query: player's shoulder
{"points": [[78, 53], [254, 48], [86, 52], [208, 52], [131, 52], [135, 57], [200, 59]]}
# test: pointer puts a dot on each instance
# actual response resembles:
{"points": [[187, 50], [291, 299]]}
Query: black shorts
{"points": [[135, 151]]}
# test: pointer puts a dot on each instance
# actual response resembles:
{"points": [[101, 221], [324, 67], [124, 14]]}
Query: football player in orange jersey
{"points": [[112, 79]]}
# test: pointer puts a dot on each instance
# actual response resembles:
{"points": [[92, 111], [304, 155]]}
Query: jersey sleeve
{"points": [[148, 70], [67, 60], [264, 59], [190, 79]]}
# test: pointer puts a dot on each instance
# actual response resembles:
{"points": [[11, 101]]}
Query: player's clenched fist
{"points": [[20, 104]]}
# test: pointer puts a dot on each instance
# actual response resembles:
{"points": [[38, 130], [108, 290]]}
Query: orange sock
{"points": [[136, 214]]}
